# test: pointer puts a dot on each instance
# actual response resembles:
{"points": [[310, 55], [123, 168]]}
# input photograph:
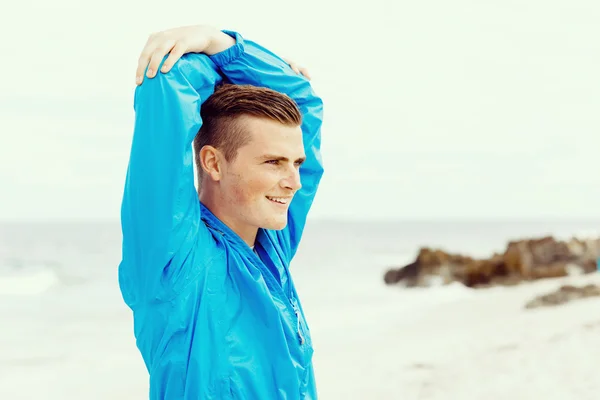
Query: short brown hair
{"points": [[220, 111]]}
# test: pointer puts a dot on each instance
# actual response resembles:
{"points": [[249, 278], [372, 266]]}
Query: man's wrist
{"points": [[218, 42]]}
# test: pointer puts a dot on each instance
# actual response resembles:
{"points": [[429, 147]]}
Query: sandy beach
{"points": [[457, 343]]}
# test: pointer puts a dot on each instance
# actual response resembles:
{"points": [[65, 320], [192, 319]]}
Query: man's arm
{"points": [[160, 214], [257, 66]]}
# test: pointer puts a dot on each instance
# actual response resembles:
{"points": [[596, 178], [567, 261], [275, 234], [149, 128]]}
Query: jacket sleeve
{"points": [[160, 213], [252, 64]]}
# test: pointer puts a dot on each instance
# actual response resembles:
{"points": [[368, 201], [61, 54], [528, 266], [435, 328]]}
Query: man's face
{"points": [[259, 183]]}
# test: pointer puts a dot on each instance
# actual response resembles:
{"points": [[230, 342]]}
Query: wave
{"points": [[28, 284], [581, 234]]}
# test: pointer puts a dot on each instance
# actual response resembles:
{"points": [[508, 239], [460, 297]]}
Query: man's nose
{"points": [[293, 180]]}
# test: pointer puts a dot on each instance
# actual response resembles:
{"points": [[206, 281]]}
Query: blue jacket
{"points": [[212, 319]]}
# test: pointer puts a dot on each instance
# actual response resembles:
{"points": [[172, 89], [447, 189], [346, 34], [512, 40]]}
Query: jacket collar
{"points": [[219, 226]]}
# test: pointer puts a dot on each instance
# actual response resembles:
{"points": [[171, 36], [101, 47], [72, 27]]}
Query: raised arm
{"points": [[160, 214], [255, 65]]}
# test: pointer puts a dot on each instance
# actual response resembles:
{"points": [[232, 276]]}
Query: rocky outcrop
{"points": [[522, 260], [563, 295]]}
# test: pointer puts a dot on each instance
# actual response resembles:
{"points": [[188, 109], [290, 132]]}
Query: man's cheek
{"points": [[241, 194]]}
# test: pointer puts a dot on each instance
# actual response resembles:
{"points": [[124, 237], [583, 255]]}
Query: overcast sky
{"points": [[434, 109]]}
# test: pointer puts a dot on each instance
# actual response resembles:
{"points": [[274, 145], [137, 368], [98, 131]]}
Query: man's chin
{"points": [[275, 225]]}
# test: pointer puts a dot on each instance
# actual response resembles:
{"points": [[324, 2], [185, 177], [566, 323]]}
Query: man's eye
{"points": [[273, 162]]}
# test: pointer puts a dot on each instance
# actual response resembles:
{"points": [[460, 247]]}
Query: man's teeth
{"points": [[280, 200]]}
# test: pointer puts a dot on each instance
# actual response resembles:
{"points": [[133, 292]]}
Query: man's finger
{"points": [[144, 58], [142, 64], [176, 53], [290, 63], [157, 58], [304, 72], [294, 68]]}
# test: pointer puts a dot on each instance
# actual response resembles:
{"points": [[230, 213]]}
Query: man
{"points": [[216, 314]]}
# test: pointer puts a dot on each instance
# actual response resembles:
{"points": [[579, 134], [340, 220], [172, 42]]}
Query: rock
{"points": [[529, 259], [563, 295]]}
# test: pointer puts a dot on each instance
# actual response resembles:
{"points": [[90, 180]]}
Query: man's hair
{"points": [[221, 111]]}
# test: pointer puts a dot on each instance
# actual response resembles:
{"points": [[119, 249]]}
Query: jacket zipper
{"points": [[299, 325], [293, 303], [290, 298]]}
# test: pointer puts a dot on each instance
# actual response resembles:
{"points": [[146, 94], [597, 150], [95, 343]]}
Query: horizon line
{"points": [[394, 219]]}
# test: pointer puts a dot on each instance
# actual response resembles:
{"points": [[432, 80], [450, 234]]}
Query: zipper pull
{"points": [[299, 327]]}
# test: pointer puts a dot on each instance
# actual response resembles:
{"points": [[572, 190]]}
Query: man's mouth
{"points": [[279, 200]]}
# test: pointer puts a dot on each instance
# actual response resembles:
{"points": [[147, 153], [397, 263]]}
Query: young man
{"points": [[216, 314]]}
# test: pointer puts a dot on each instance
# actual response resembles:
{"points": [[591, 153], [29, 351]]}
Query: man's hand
{"points": [[297, 69], [177, 42], [187, 39]]}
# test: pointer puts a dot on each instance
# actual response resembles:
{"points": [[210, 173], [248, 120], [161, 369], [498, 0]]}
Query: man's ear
{"points": [[211, 162]]}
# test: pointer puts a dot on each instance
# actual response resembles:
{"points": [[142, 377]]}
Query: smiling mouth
{"points": [[279, 200]]}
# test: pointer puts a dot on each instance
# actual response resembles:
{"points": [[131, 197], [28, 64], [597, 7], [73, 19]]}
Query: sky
{"points": [[433, 109]]}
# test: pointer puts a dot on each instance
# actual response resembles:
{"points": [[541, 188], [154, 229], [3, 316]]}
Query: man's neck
{"points": [[245, 232]]}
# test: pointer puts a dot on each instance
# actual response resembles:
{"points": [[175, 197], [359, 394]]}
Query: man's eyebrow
{"points": [[280, 158]]}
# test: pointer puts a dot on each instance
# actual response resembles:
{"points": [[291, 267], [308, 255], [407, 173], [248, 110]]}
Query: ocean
{"points": [[66, 333]]}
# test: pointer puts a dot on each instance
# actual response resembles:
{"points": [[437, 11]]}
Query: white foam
{"points": [[29, 284], [583, 234]]}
